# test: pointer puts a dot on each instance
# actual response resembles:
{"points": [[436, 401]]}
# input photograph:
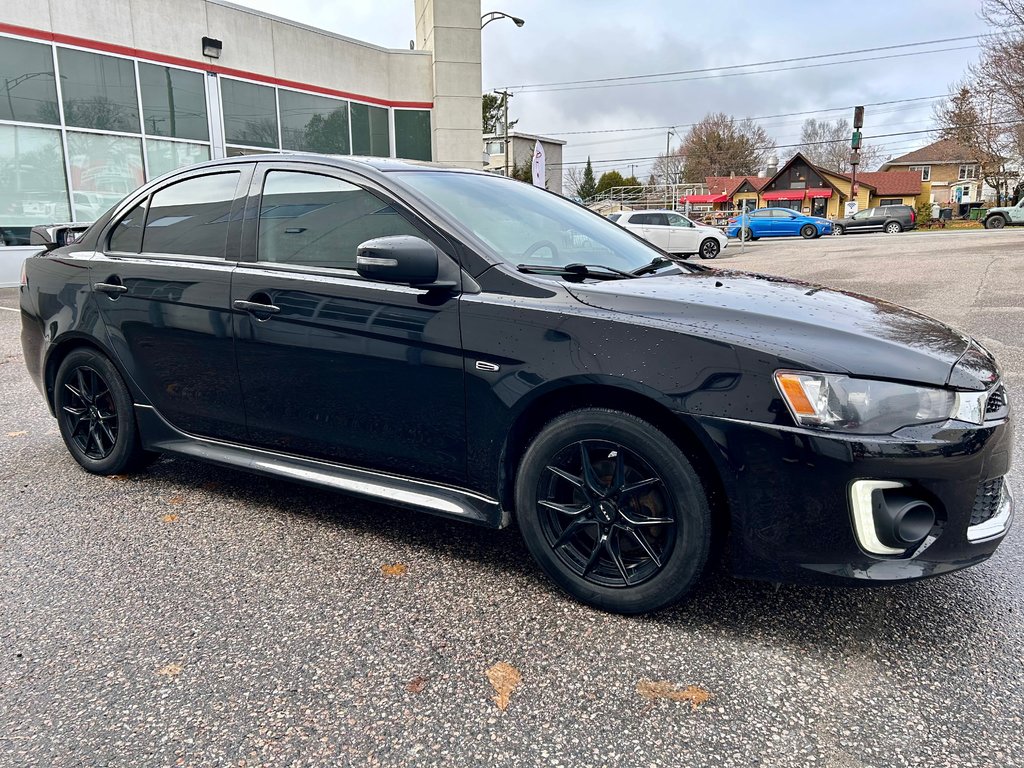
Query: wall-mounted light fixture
{"points": [[212, 47]]}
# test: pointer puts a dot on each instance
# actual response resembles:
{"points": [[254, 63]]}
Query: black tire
{"points": [[893, 228], [683, 256], [618, 548], [747, 235], [96, 416], [837, 229], [710, 248], [808, 231], [995, 222]]}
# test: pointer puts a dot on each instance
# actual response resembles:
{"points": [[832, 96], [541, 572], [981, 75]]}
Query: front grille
{"points": [[986, 501], [997, 405]]}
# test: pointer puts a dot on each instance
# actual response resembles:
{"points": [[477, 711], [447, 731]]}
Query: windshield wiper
{"points": [[657, 263], [577, 271]]}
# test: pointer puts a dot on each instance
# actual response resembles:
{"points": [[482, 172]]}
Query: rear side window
{"points": [[614, 216], [190, 218], [127, 235], [319, 221]]}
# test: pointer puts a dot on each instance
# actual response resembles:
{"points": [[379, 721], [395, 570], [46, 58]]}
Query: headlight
{"points": [[862, 406]]}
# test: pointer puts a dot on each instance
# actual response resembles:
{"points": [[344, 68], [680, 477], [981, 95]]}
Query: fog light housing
{"points": [[888, 524]]}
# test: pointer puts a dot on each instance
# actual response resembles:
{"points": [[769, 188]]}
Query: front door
{"points": [[784, 222], [162, 286], [339, 367], [683, 236]]}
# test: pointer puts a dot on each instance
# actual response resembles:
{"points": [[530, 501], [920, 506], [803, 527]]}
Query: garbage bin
{"points": [[946, 213], [978, 213]]}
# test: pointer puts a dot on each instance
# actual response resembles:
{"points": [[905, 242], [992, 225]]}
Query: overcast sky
{"points": [[567, 40]]}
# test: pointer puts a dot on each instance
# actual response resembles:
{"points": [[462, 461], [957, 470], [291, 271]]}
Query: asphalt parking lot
{"points": [[193, 615]]}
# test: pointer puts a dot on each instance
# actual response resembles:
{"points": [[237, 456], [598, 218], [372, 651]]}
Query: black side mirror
{"points": [[406, 260], [52, 236]]}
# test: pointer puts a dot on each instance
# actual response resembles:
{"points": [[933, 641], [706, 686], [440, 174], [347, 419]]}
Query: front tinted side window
{"points": [[127, 235], [320, 221], [190, 218]]}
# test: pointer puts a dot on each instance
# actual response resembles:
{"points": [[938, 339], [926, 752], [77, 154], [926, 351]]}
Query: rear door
{"points": [[163, 287], [657, 230], [759, 222], [340, 367]]}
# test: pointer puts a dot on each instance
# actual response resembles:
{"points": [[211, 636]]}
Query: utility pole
{"points": [[855, 141], [504, 103]]}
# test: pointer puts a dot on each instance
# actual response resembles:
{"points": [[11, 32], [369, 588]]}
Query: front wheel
{"points": [[995, 222], [893, 228], [613, 511], [808, 231], [95, 414], [837, 229], [710, 249]]}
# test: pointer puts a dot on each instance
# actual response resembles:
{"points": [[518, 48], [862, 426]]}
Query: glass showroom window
{"points": [[104, 169], [250, 114], [370, 130], [412, 134], [98, 91], [33, 185], [164, 156], [29, 87], [313, 123], [173, 103]]}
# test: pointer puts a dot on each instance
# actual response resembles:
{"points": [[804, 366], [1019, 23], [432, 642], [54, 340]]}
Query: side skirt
{"points": [[159, 435]]}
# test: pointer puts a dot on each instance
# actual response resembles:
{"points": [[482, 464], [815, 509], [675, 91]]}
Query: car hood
{"points": [[804, 325]]}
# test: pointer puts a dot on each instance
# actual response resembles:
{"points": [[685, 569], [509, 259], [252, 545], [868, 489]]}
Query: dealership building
{"points": [[98, 98]]}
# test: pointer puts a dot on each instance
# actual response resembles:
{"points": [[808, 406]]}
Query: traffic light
{"points": [[858, 117], [855, 140]]}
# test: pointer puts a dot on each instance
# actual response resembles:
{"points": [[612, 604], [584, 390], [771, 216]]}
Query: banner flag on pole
{"points": [[538, 165]]}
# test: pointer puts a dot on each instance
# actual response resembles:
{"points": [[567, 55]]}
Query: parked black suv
{"points": [[479, 348], [883, 218]]}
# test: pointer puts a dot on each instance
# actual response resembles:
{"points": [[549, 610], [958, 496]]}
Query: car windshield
{"points": [[525, 225]]}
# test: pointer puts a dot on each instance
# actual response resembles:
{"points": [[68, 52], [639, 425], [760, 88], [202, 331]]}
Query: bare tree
{"points": [[969, 116], [572, 180], [720, 145], [669, 168], [826, 143]]}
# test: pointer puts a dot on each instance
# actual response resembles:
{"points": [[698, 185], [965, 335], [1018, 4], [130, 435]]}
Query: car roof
{"points": [[653, 210], [348, 162]]}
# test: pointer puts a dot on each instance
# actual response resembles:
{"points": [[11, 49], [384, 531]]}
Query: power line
{"points": [[799, 144], [755, 64], [741, 74], [761, 117]]}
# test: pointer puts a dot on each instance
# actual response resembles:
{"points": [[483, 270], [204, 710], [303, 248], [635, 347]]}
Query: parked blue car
{"points": [[778, 222]]}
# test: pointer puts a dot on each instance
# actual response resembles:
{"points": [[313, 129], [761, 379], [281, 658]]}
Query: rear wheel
{"points": [[808, 231], [893, 228], [995, 222], [747, 235], [710, 248], [95, 414], [613, 511]]}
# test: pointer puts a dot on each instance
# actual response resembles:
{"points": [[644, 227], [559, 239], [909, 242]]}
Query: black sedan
{"points": [[478, 348]]}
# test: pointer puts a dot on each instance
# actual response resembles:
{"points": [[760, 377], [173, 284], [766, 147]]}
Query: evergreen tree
{"points": [[588, 187]]}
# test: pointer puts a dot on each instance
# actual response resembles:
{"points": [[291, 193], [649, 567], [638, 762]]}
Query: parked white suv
{"points": [[673, 232]]}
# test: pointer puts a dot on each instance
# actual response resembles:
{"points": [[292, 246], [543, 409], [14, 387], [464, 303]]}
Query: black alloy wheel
{"points": [[96, 415], [995, 222], [710, 248], [91, 413], [613, 511], [808, 231]]}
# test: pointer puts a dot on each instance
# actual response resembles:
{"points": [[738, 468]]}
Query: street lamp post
{"points": [[486, 19]]}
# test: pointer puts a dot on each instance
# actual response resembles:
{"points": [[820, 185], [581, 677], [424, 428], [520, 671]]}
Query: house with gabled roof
{"points": [[953, 171]]}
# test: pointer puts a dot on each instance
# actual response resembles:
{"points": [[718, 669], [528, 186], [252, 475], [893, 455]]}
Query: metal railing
{"points": [[655, 196]]}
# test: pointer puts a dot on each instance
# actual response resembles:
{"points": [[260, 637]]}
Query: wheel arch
{"points": [[67, 344], [572, 397]]}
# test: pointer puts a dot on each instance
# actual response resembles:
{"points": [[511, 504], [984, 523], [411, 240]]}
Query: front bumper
{"points": [[792, 513]]}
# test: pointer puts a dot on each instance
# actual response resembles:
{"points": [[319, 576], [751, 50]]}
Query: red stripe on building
{"points": [[162, 58]]}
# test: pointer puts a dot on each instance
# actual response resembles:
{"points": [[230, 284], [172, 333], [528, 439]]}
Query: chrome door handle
{"points": [[255, 307], [113, 289]]}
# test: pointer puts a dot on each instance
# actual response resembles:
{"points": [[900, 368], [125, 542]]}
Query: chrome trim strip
{"points": [[444, 500], [998, 524], [863, 517]]}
